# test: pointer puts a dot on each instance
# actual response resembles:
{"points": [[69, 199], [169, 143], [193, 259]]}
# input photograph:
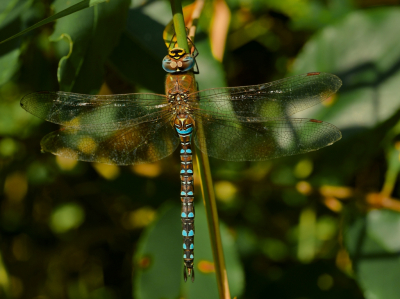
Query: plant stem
{"points": [[207, 190], [179, 24]]}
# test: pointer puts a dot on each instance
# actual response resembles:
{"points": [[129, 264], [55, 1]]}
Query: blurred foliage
{"points": [[320, 225], [153, 263]]}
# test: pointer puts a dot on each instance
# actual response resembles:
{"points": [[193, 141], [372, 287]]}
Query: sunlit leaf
{"points": [[374, 245], [363, 50], [366, 59]]}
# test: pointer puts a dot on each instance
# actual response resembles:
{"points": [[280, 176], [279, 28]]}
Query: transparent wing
{"points": [[276, 99], [80, 110], [131, 144], [257, 141]]}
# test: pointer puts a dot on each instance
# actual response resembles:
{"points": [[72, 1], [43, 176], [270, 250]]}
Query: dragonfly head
{"points": [[178, 61]]}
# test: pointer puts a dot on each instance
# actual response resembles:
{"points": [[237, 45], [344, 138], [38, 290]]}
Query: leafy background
{"points": [[320, 225]]}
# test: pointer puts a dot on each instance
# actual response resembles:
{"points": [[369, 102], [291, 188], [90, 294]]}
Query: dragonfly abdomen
{"points": [[184, 127]]}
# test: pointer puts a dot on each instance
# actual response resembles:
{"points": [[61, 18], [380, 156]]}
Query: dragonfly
{"points": [[246, 123]]}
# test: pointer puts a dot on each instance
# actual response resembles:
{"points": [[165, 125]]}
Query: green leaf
{"points": [[139, 54], [11, 9], [74, 8], [159, 258], [393, 166], [384, 228], [9, 55], [88, 37], [211, 70], [10, 19], [363, 50], [373, 242]]}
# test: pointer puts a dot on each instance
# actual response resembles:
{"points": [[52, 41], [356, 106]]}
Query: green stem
{"points": [[207, 190], [179, 24], [203, 166]]}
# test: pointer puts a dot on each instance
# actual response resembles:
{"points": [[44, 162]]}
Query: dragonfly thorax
{"points": [[178, 102]]}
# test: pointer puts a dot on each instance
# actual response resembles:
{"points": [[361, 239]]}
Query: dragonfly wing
{"points": [[257, 141], [140, 143], [278, 99], [79, 110]]}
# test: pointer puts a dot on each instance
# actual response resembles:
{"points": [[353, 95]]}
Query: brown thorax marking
{"points": [[178, 103], [179, 107], [178, 100]]}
